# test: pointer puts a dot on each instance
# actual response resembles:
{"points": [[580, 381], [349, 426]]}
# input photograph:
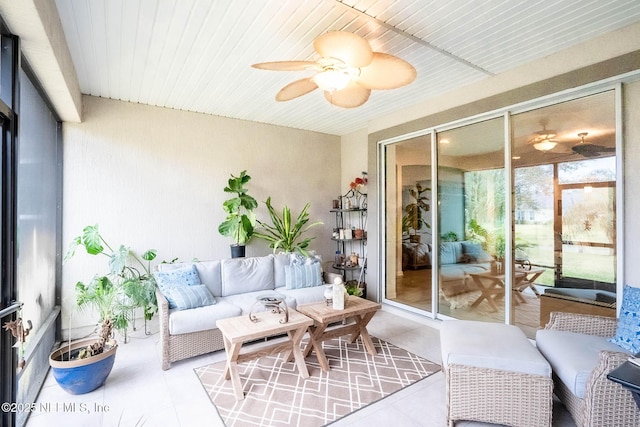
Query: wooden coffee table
{"points": [[360, 309], [239, 330], [492, 285]]}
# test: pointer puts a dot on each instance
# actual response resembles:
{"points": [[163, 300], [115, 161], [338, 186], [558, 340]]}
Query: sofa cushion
{"points": [[628, 331], [180, 276], [448, 253], [572, 356], [211, 276], [242, 275], [279, 262], [476, 252], [187, 297], [201, 318], [303, 276], [208, 271]]}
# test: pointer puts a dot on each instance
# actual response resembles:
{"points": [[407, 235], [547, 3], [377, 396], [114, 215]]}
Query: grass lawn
{"points": [[582, 262]]}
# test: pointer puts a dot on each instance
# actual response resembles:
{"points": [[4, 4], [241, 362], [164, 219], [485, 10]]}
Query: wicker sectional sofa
{"points": [[234, 285]]}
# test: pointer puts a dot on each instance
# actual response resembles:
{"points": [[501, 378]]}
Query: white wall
{"points": [[353, 148], [154, 177]]}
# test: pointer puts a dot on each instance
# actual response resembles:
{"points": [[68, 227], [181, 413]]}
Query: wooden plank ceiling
{"points": [[196, 55]]}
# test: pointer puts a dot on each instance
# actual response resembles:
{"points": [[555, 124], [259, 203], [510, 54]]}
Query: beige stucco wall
{"points": [[631, 162], [154, 177]]}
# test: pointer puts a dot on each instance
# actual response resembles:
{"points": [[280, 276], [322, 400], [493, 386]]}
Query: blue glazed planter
{"points": [[82, 375]]}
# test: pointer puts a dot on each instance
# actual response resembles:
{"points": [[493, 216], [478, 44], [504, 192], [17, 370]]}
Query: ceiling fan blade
{"points": [[386, 72], [296, 89], [285, 65], [351, 96], [351, 49], [591, 150]]}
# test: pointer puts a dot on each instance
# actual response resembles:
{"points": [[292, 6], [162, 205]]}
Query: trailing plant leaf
{"points": [[118, 260], [71, 251], [92, 240], [150, 255]]}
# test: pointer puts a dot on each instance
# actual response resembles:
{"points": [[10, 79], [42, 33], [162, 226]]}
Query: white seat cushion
{"points": [[572, 356], [201, 318]]}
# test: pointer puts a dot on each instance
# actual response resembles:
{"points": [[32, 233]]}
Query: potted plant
{"points": [[82, 366], [282, 233], [414, 219], [240, 220]]}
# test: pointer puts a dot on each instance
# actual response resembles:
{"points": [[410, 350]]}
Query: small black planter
{"points": [[237, 251]]}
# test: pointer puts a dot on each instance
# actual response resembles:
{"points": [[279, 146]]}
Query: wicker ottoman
{"points": [[494, 374]]}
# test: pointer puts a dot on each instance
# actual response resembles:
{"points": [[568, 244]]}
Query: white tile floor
{"points": [[138, 392]]}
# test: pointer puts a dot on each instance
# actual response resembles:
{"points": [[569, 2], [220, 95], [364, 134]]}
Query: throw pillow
{"points": [[186, 297], [628, 330], [447, 254], [475, 250], [302, 276], [169, 279]]}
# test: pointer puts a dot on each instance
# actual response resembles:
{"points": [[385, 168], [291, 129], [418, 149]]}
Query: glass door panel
{"points": [[471, 215], [408, 222], [564, 166]]}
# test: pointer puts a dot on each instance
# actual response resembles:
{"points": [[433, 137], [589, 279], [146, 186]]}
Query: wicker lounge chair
{"points": [[605, 403]]}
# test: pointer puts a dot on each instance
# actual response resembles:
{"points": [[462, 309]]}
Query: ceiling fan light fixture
{"points": [[545, 145], [332, 80]]}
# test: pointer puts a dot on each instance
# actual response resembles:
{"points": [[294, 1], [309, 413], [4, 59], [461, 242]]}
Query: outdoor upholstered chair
{"points": [[581, 362]]}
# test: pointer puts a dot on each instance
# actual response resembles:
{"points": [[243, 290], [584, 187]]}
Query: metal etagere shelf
{"points": [[350, 235]]}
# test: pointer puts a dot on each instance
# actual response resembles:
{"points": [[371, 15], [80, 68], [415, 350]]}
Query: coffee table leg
{"points": [[297, 353], [362, 332], [231, 369], [315, 342]]}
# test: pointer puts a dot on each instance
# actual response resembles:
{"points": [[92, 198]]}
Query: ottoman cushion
{"points": [[490, 345]]}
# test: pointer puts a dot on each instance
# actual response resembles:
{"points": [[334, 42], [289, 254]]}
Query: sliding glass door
{"points": [[521, 205]]}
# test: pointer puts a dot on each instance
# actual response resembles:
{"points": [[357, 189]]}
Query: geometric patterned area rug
{"points": [[275, 395]]}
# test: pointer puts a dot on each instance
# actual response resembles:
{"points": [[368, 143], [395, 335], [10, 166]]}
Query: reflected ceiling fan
{"points": [[590, 150], [347, 70]]}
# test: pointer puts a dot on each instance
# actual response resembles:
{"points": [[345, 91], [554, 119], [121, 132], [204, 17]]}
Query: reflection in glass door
{"points": [[408, 202], [588, 258], [511, 230], [471, 212], [564, 160]]}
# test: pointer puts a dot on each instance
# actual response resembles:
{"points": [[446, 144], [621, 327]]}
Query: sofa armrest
{"points": [[163, 311], [583, 324], [163, 314]]}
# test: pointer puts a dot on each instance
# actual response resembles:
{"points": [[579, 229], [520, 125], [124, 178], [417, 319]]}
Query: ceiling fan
{"points": [[590, 150], [347, 70]]}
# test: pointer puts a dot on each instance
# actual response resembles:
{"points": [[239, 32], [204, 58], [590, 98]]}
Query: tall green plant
{"points": [[284, 234], [414, 212], [115, 294], [240, 221]]}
